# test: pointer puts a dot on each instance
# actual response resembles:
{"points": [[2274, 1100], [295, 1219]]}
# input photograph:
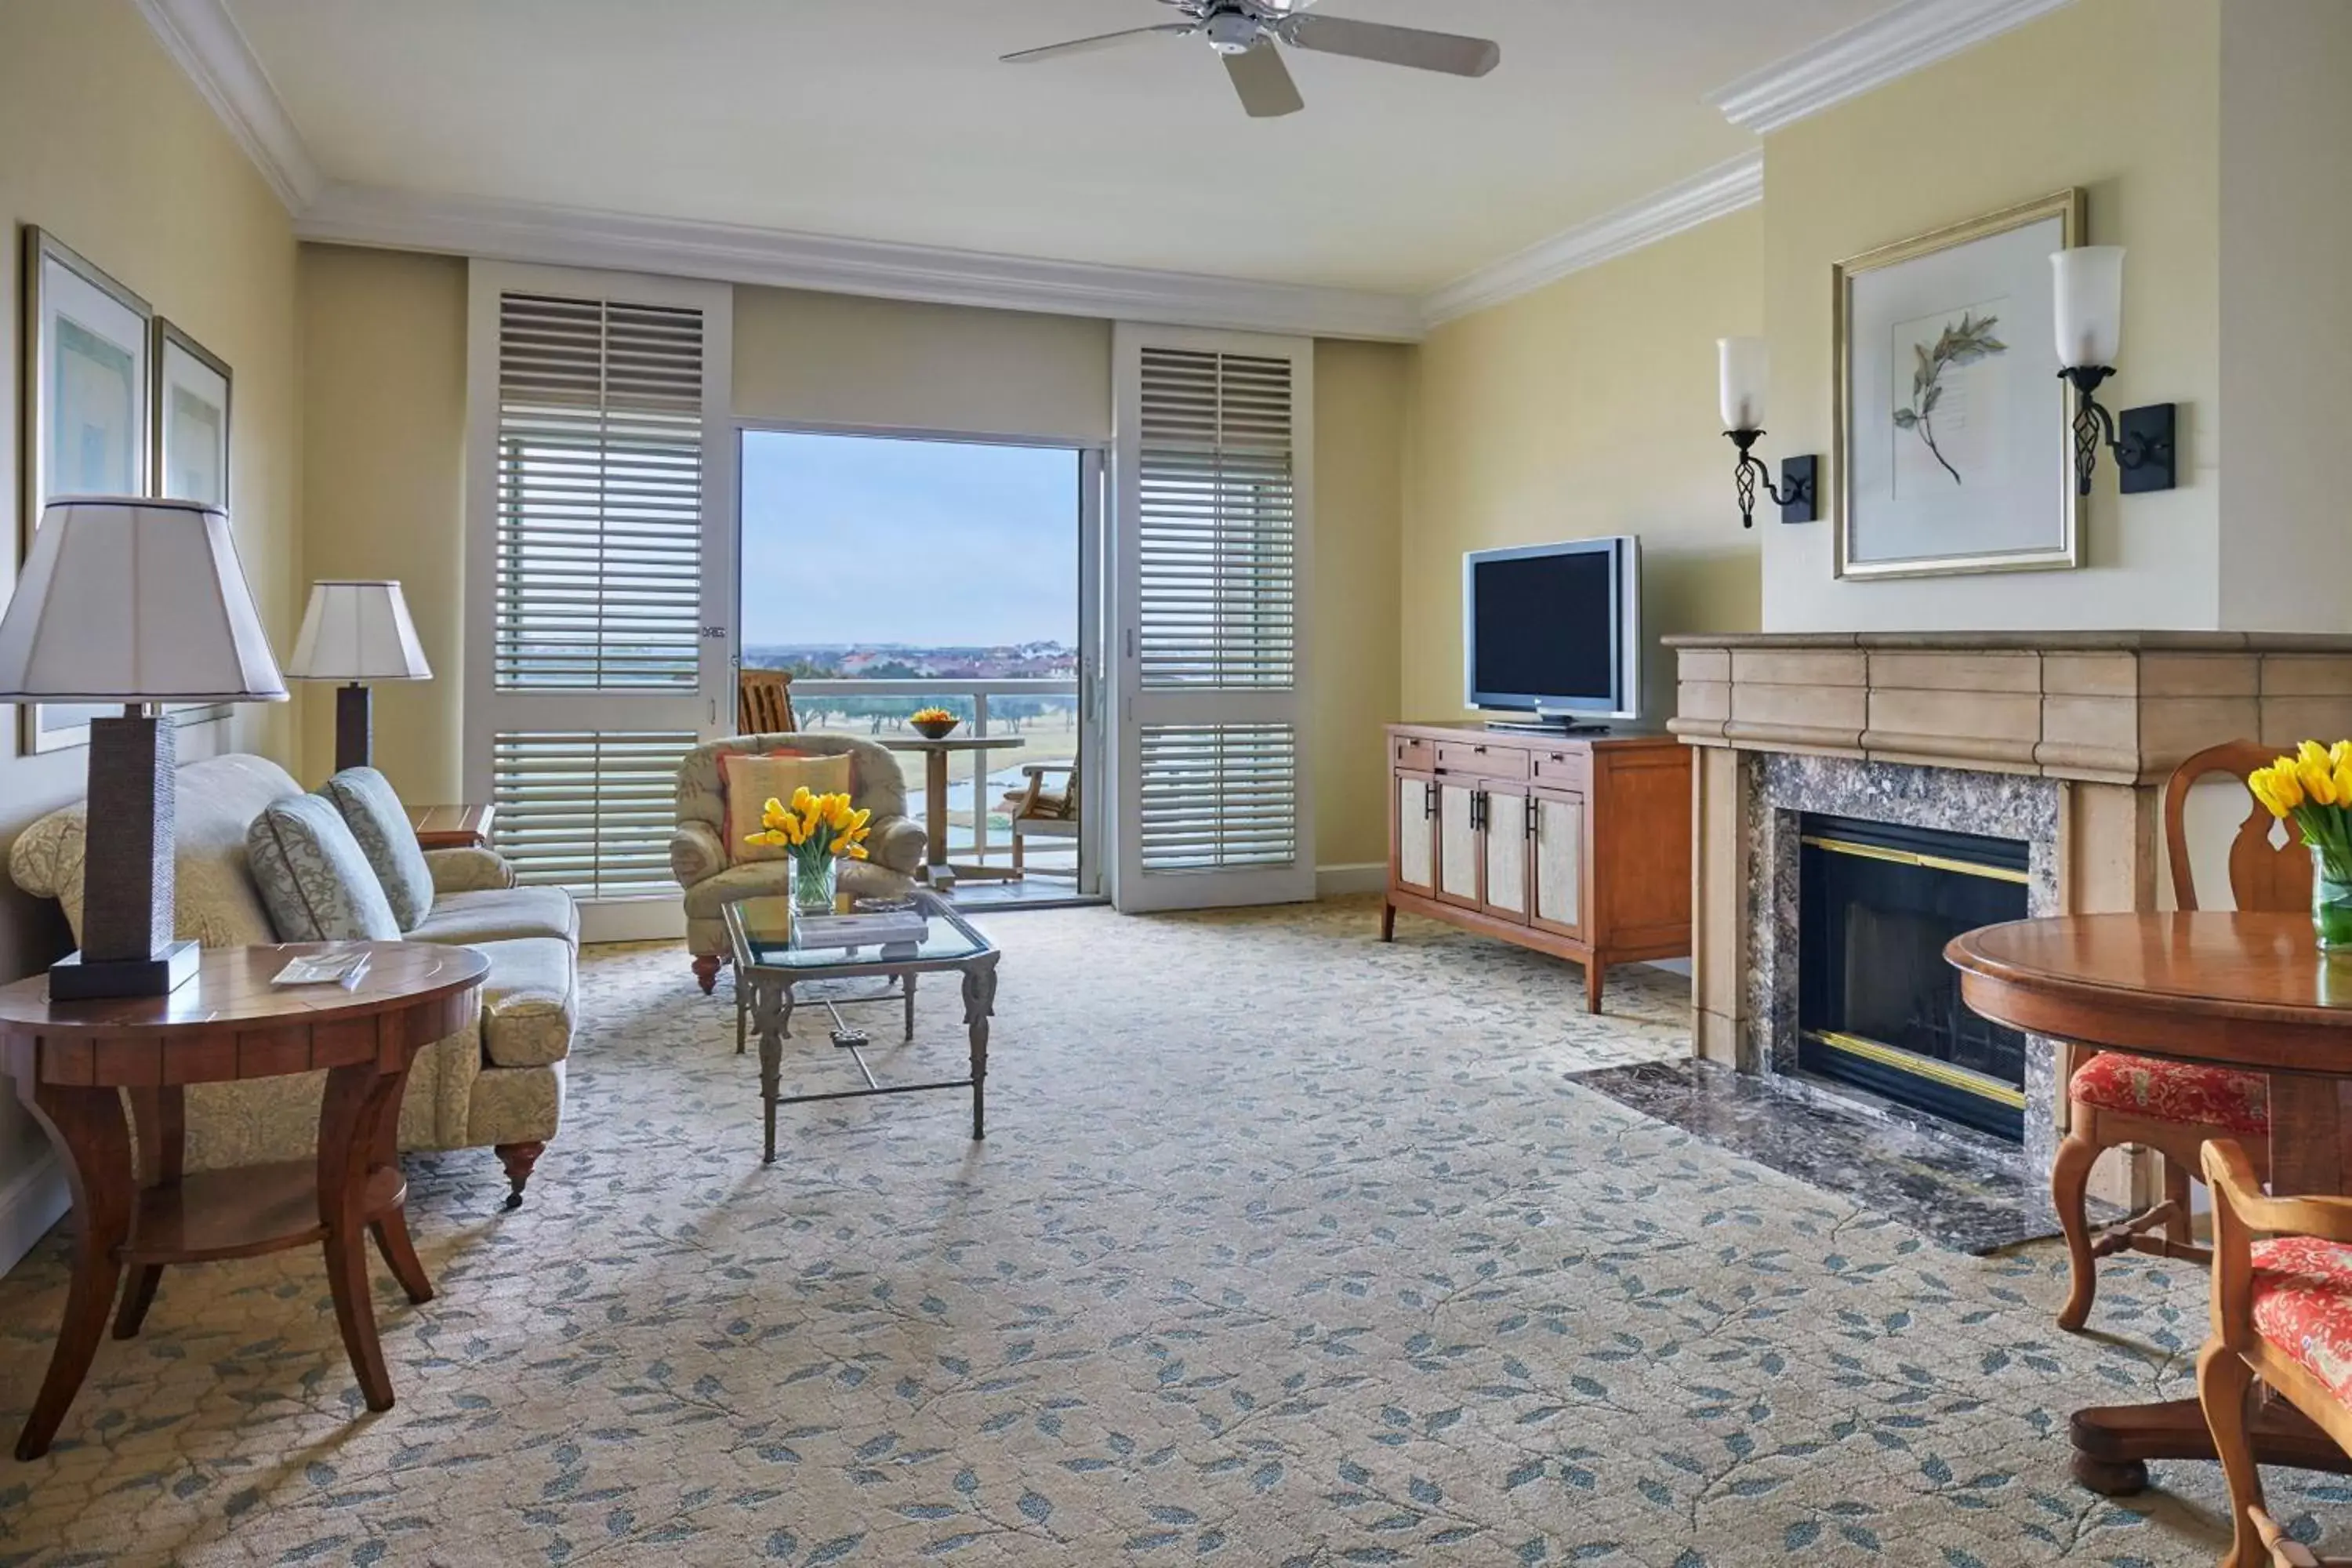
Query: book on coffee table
{"points": [[881, 930]]}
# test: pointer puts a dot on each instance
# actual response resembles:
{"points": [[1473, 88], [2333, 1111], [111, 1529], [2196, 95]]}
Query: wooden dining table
{"points": [[2251, 992]]}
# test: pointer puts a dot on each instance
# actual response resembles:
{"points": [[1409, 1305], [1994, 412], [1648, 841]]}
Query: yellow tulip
{"points": [[2344, 782], [2279, 789], [2318, 783], [2340, 753]]}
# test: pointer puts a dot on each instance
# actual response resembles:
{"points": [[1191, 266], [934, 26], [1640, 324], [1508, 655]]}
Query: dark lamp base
{"points": [[74, 978]]}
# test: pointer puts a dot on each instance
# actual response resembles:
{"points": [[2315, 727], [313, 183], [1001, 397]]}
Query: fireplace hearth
{"points": [[1877, 1005]]}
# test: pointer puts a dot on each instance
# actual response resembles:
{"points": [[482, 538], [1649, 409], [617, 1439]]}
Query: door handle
{"points": [[1531, 816], [1428, 798]]}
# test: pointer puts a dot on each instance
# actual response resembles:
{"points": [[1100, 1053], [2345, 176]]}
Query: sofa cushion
{"points": [[497, 914], [753, 781], [527, 1011], [376, 818], [314, 879]]}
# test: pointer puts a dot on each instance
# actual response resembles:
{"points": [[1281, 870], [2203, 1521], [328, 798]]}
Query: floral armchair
{"points": [[705, 871]]}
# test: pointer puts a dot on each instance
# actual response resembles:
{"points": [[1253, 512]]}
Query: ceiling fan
{"points": [[1245, 32]]}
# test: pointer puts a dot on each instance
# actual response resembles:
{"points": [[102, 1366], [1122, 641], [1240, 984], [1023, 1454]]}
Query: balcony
{"points": [[1043, 714]]}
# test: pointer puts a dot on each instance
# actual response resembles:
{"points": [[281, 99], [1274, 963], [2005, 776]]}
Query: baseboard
{"points": [[1341, 882], [30, 1204], [632, 919], [1671, 965]]}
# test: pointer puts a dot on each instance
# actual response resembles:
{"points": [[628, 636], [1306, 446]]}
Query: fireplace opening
{"points": [[1877, 1005]]}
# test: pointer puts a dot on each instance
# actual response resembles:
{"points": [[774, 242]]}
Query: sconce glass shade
{"points": [[1744, 364], [2090, 297]]}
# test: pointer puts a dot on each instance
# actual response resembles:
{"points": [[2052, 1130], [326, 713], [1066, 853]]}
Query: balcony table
{"points": [[2248, 992], [936, 867], [74, 1061]]}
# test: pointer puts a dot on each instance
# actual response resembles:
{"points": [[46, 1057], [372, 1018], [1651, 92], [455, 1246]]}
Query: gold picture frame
{"points": [[2030, 527]]}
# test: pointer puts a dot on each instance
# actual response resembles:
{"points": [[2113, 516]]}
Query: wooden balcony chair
{"points": [[2283, 1314], [763, 702], [2116, 1099], [1035, 809]]}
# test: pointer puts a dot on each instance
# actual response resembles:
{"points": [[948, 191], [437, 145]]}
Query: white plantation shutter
{"points": [[602, 512], [1214, 477]]}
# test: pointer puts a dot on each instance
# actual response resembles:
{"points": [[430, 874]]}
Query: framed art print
{"points": [[190, 461], [1954, 452], [86, 398]]}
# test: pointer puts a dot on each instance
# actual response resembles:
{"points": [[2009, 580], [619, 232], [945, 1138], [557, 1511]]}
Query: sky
{"points": [[865, 539]]}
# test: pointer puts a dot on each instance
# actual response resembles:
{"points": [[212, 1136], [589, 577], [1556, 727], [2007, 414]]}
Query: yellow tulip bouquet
{"points": [[2313, 788], [820, 831]]}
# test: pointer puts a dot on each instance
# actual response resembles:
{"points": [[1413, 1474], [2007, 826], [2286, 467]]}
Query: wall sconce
{"points": [[2090, 322], [1744, 367]]}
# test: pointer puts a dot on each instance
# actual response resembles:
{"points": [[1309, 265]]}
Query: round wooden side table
{"points": [[2251, 992], [75, 1061]]}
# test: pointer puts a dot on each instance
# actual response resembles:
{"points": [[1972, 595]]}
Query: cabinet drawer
{"points": [[1412, 751], [1568, 769], [1481, 759]]}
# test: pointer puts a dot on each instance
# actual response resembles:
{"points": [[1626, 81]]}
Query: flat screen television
{"points": [[1554, 630]]}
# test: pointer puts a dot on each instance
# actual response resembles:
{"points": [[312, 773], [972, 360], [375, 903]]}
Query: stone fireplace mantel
{"points": [[2068, 737]]}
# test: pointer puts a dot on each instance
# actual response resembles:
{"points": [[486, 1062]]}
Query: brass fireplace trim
{"points": [[1951, 1076], [1908, 857]]}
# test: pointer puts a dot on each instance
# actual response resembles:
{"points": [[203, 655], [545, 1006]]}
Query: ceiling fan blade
{"points": [[1414, 47], [1264, 82], [1099, 41]]}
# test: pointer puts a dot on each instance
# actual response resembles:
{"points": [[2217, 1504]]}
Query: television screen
{"points": [[1546, 629]]}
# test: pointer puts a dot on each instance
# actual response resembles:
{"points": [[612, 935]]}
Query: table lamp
{"points": [[356, 631], [138, 602]]}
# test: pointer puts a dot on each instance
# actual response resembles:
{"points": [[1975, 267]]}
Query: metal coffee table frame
{"points": [[765, 1004]]}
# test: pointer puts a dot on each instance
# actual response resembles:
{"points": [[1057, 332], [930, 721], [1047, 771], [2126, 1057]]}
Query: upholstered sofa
{"points": [[498, 1085], [698, 848]]}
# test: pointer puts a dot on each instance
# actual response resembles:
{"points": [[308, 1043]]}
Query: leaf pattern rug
{"points": [[1285, 1249]]}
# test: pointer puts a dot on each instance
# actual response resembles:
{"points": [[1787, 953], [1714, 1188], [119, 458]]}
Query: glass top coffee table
{"points": [[769, 964]]}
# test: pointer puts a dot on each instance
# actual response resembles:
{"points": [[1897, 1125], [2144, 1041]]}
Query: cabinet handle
{"points": [[1478, 810], [1428, 798], [1533, 815]]}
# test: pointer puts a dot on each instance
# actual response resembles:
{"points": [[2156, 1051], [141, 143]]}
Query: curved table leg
{"points": [[88, 1127], [772, 1016], [391, 1228], [979, 1004], [349, 1118], [159, 1119]]}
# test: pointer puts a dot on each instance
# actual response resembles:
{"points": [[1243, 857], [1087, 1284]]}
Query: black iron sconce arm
{"points": [[1794, 495], [2140, 438]]}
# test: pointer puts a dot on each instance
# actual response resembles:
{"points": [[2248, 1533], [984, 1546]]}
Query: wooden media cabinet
{"points": [[1577, 845]]}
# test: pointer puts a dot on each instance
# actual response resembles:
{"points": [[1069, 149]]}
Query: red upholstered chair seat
{"points": [[2303, 1304], [2175, 1091]]}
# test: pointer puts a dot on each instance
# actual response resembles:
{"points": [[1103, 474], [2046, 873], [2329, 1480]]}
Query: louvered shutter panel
{"points": [[600, 495], [597, 510], [1211, 724]]}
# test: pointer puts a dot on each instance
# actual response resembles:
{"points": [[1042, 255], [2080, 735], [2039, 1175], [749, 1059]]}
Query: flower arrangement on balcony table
{"points": [[934, 723], [2314, 787], [819, 831]]}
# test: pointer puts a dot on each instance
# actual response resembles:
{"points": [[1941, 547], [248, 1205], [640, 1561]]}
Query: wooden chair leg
{"points": [[2181, 1227], [705, 972], [518, 1158], [2070, 1185], [2224, 1384], [1017, 874]]}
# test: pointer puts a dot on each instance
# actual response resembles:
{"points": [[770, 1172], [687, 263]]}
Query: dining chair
{"points": [[1035, 810], [2282, 1314], [763, 702], [2116, 1099]]}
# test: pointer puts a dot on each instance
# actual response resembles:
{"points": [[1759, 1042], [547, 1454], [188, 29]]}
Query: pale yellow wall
{"points": [[2119, 96], [383, 474], [103, 142], [836, 359], [1586, 408], [1354, 592]]}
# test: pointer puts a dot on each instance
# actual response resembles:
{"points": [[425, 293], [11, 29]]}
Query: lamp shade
{"points": [[124, 599], [1744, 365], [357, 630], [2090, 304]]}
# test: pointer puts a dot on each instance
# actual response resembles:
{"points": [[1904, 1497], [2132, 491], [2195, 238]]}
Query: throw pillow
{"points": [[753, 781], [314, 879], [372, 811]]}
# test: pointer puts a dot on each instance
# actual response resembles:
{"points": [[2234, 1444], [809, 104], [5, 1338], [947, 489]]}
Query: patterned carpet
{"points": [[1285, 1248]]}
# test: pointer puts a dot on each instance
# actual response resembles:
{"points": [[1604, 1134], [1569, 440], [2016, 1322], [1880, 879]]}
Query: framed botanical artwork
{"points": [[86, 398], [1952, 446], [190, 461]]}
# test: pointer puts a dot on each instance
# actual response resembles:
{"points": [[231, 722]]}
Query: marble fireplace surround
{"points": [[2062, 740]]}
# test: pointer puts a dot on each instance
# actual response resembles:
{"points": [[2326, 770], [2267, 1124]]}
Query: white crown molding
{"points": [[1705, 197], [202, 39], [564, 237], [1868, 54]]}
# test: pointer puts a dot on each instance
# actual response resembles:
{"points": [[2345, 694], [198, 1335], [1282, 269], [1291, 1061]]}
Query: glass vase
{"points": [[814, 881], [2331, 902]]}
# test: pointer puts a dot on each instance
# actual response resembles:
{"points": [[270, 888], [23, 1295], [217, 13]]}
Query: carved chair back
{"points": [[2263, 876]]}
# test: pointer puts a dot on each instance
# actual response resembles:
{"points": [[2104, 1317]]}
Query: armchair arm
{"points": [[2238, 1193], [468, 871], [898, 842], [695, 853], [1039, 770]]}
